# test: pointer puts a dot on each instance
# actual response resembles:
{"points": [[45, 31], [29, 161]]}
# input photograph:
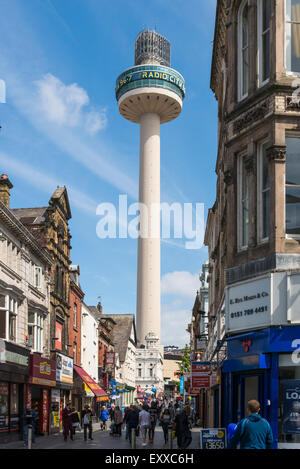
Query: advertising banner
{"points": [[64, 369], [42, 371], [213, 438], [204, 375], [291, 407]]}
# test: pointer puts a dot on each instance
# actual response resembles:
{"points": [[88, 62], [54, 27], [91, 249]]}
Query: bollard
{"points": [[133, 438], [170, 438], [29, 436]]}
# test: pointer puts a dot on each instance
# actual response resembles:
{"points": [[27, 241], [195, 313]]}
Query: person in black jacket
{"points": [[182, 428], [132, 421]]}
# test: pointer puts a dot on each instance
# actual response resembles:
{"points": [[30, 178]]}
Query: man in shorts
{"points": [[144, 421]]}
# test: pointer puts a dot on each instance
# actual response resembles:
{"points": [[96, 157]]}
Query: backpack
{"points": [[245, 421]]}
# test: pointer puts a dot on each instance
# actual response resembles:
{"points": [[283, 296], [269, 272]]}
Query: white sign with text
{"points": [[248, 305]]}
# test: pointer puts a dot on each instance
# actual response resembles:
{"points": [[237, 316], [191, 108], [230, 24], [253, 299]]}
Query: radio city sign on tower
{"points": [[150, 94]]}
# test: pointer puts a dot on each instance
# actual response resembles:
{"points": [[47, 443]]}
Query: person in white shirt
{"points": [[144, 421]]}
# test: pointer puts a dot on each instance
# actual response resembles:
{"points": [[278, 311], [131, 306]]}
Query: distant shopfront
{"points": [[41, 381], [62, 392], [14, 371], [92, 394]]}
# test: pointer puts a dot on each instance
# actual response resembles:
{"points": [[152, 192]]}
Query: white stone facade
{"points": [[89, 342], [24, 286], [149, 365]]}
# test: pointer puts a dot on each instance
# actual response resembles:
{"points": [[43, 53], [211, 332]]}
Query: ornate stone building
{"points": [[253, 229], [50, 227]]}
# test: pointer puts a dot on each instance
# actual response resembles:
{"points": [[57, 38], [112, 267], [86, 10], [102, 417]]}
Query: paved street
{"points": [[102, 440]]}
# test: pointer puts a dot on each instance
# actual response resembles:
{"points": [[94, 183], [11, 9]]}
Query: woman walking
{"points": [[166, 420], [103, 418], [118, 420]]}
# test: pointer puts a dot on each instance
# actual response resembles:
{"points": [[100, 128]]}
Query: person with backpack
{"points": [[253, 432], [87, 422]]}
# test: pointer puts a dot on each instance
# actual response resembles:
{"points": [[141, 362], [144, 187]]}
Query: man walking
{"points": [[67, 421], [253, 432], [132, 421], [144, 421], [153, 419], [87, 422], [182, 427]]}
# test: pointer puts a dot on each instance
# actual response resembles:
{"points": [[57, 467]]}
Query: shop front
{"points": [[265, 365], [42, 380], [14, 371], [92, 394], [64, 385]]}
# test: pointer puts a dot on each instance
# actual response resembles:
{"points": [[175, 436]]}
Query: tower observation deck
{"points": [[150, 94]]}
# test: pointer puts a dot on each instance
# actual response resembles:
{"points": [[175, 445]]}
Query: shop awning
{"points": [[91, 384]]}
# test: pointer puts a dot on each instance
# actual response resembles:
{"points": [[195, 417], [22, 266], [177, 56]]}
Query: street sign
{"points": [[213, 438]]}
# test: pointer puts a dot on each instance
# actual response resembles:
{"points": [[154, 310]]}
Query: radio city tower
{"points": [[150, 94]]}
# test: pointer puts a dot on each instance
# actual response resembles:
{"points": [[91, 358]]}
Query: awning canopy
{"points": [[91, 384]]}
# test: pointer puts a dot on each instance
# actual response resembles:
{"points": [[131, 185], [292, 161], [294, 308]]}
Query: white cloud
{"points": [[182, 284], [174, 327], [65, 105]]}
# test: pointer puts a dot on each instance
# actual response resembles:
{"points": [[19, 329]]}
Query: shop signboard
{"points": [[203, 375], [42, 371], [291, 406], [248, 304], [109, 358], [64, 369], [15, 355], [213, 438]]}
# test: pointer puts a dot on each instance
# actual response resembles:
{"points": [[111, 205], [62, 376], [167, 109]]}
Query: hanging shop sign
{"points": [[42, 371], [64, 369], [109, 358], [213, 438], [291, 406], [204, 375]]}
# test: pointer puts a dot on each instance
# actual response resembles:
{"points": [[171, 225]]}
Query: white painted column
{"points": [[148, 281]]}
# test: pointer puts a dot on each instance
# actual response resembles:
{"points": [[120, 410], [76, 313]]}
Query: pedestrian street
{"points": [[101, 440]]}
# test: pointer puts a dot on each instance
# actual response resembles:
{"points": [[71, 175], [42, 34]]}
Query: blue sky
{"points": [[61, 126]]}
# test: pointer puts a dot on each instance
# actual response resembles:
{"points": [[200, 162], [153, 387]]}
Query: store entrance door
{"points": [[247, 387]]}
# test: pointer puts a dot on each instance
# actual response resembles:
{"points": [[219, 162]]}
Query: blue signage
{"points": [[181, 385], [213, 438], [291, 406]]}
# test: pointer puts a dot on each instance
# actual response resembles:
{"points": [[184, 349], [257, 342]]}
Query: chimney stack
{"points": [[99, 307], [5, 186]]}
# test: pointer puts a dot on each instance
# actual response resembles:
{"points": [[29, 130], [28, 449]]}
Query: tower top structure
{"points": [[152, 48], [151, 85]]}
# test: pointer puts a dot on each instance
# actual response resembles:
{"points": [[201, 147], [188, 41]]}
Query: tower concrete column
{"points": [[150, 94], [148, 279]]}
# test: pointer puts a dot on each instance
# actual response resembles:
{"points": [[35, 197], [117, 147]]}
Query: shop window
{"points": [[263, 29], [35, 331], [243, 204], [292, 187], [263, 199], [4, 409], [243, 50], [289, 400], [293, 36]]}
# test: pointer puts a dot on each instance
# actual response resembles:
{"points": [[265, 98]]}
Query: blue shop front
{"points": [[265, 365]]}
